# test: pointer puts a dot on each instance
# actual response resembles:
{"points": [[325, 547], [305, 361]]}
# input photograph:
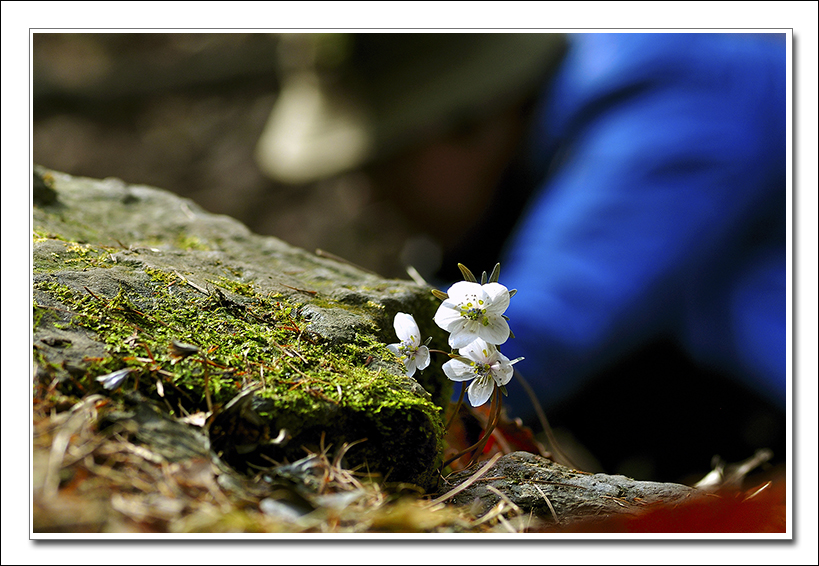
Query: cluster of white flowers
{"points": [[472, 313]]}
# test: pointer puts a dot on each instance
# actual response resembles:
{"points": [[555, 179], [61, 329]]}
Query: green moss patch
{"points": [[198, 309], [342, 392]]}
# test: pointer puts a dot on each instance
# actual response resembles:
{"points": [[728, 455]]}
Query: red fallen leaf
{"points": [[761, 509], [510, 435]]}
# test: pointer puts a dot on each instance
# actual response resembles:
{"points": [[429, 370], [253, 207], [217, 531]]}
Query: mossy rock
{"points": [[123, 271]]}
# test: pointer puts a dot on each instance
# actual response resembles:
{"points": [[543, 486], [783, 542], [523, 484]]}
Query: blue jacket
{"points": [[662, 212]]}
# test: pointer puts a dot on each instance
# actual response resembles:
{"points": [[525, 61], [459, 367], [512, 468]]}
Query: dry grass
{"points": [[101, 481]]}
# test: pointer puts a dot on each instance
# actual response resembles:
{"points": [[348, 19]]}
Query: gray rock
{"points": [[121, 271], [557, 494]]}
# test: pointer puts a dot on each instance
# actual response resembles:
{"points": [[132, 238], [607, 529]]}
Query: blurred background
{"points": [[201, 114], [184, 112]]}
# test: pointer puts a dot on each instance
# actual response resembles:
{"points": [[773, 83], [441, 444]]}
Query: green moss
{"points": [[244, 289], [345, 389], [61, 254], [37, 314], [39, 236], [186, 241], [244, 337]]}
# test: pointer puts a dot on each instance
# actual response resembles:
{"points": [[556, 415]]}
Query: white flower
{"points": [[410, 351], [114, 379], [485, 364], [474, 311]]}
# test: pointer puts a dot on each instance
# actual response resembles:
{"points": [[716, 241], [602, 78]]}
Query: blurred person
{"points": [[633, 188]]}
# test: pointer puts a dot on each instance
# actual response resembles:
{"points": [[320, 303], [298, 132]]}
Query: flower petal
{"points": [[422, 357], [463, 334], [447, 315], [114, 379], [406, 328], [498, 297], [503, 372], [496, 331], [480, 391], [409, 364], [480, 351], [463, 290], [456, 370]]}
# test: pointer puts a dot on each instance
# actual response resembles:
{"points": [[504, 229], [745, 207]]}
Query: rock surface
{"points": [[560, 495], [122, 271]]}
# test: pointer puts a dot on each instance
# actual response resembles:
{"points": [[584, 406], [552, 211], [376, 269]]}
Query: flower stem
{"points": [[457, 406], [494, 417]]}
